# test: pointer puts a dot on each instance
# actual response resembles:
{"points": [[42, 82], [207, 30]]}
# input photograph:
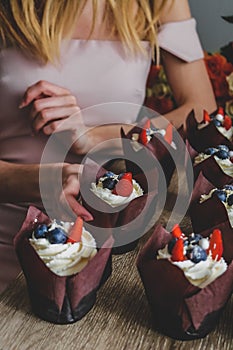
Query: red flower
{"points": [[160, 105], [217, 65], [153, 75]]}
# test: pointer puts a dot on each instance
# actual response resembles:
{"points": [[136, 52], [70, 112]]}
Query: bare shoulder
{"points": [[175, 10]]}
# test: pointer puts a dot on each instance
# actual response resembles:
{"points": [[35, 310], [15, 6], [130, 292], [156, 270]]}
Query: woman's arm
{"points": [[23, 183], [189, 82]]}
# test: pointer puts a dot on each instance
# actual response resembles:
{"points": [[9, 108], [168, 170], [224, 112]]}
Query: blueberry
{"points": [[109, 174], [216, 122], [41, 231], [198, 254], [221, 194], [194, 238], [223, 147], [171, 244], [120, 176], [228, 187], [109, 183], [210, 151], [154, 129], [230, 200], [57, 236], [222, 154]]}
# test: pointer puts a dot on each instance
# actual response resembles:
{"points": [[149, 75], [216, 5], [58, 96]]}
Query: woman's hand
{"points": [[54, 109], [59, 190], [56, 185]]}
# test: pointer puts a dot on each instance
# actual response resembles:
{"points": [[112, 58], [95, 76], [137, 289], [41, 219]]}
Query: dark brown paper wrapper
{"points": [[54, 298], [209, 168], [209, 213], [120, 217], [156, 147], [180, 310], [200, 139]]}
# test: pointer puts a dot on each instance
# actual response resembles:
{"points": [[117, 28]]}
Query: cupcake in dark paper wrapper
{"points": [[59, 298], [181, 309], [209, 205], [212, 168], [125, 215], [144, 141], [209, 132]]}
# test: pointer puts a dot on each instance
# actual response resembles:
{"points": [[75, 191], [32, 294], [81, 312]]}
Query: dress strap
{"points": [[181, 39]]}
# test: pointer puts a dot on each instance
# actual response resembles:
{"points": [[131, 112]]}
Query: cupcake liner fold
{"points": [[126, 221], [208, 213], [208, 136], [55, 298], [180, 309]]}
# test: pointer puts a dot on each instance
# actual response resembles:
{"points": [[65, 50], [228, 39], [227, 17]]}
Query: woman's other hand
{"points": [[54, 109]]}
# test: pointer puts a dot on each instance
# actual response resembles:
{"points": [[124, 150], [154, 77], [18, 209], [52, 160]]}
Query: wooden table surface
{"points": [[119, 320]]}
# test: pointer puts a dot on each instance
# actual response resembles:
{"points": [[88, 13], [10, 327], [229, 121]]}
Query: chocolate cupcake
{"points": [[209, 205], [187, 281], [62, 267], [214, 162], [121, 204], [214, 130], [157, 147]]}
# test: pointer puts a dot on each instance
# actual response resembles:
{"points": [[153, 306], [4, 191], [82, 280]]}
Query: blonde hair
{"points": [[37, 27]]}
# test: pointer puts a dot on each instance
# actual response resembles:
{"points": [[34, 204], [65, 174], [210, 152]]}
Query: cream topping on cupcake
{"points": [[223, 156], [225, 195], [116, 189], [222, 122], [60, 255], [146, 134], [199, 258]]}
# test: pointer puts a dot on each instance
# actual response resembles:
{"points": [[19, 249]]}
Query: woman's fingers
{"points": [[78, 209], [49, 102], [41, 89], [52, 115]]}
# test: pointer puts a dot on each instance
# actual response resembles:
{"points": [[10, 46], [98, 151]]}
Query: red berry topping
{"points": [[123, 188], [143, 137], [178, 251], [221, 111], [176, 231], [231, 159], [143, 134], [227, 123], [76, 231], [127, 176], [206, 116], [216, 245], [168, 135]]}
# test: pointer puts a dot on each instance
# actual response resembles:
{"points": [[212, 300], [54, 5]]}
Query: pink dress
{"points": [[96, 72]]}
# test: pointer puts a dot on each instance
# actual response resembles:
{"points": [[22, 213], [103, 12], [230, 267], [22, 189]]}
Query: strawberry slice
{"points": [[127, 176], [168, 135], [206, 116], [143, 135], [178, 251], [76, 231], [221, 111], [176, 231], [216, 245], [123, 188], [227, 123]]}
